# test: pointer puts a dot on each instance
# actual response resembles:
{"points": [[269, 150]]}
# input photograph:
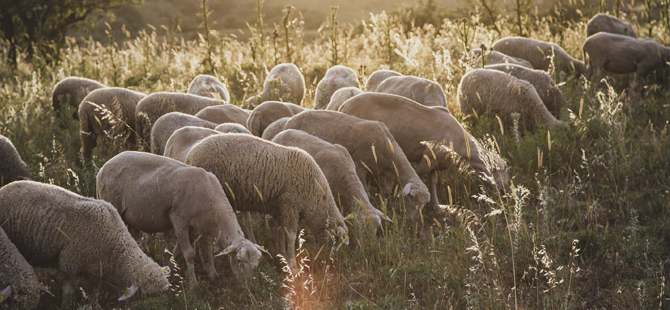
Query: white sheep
{"points": [[55, 228], [19, 277], [423, 91], [342, 95], [108, 113], [70, 91], [491, 92], [283, 83], [378, 77], [158, 104], [336, 77], [551, 95], [12, 167], [261, 176], [608, 23], [540, 54], [155, 194], [275, 128], [412, 124], [494, 57], [168, 123], [623, 54], [183, 139], [373, 149], [267, 113], [209, 86], [232, 128], [227, 113]]}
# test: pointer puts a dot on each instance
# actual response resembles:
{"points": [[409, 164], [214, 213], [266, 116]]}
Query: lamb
{"points": [[551, 95], [284, 83], [155, 194], [490, 92], [539, 54], [22, 283], [70, 91], [342, 95], [55, 228], [12, 167], [268, 112], [623, 54], [338, 168], [423, 91], [168, 123], [378, 77], [209, 86], [262, 176], [226, 113], [372, 147], [336, 77], [412, 124], [608, 23], [183, 139], [232, 127], [107, 113], [493, 57], [158, 104]]}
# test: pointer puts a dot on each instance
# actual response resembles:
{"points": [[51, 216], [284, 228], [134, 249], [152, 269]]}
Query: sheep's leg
{"points": [[249, 226], [275, 230], [181, 230], [88, 142], [69, 287], [207, 257], [432, 183], [94, 290], [361, 172], [290, 236]]}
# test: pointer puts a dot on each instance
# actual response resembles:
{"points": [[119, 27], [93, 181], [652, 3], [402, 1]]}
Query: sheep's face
{"points": [[415, 198], [245, 260]]}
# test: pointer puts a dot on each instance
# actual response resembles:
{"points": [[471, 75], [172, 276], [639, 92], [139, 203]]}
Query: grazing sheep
{"points": [[12, 167], [378, 77], [284, 83], [155, 194], [268, 112], [412, 124], [608, 23], [168, 123], [55, 228], [275, 128], [209, 86], [158, 104], [423, 91], [373, 149], [491, 92], [232, 128], [623, 54], [226, 113], [265, 177], [70, 91], [336, 77], [493, 57], [338, 168], [539, 54], [183, 139], [551, 95], [107, 113], [19, 277], [342, 95]]}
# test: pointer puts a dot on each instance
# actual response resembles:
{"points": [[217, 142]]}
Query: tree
{"points": [[39, 26]]}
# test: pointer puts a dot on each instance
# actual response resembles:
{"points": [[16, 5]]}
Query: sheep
{"points": [[55, 228], [336, 77], [378, 77], [623, 54], [372, 147], [338, 168], [423, 91], [70, 91], [155, 194], [262, 176], [183, 139], [22, 283], [232, 127], [158, 104], [540, 54], [412, 124], [342, 95], [608, 23], [107, 113], [275, 128], [493, 57], [226, 113], [551, 95], [209, 86], [168, 123], [490, 92], [12, 167], [268, 112], [284, 83]]}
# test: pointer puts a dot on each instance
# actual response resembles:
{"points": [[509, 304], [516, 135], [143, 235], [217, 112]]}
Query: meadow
{"points": [[583, 224]]}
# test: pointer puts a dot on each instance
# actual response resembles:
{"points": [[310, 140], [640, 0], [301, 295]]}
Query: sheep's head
{"points": [[150, 278], [415, 198], [244, 258]]}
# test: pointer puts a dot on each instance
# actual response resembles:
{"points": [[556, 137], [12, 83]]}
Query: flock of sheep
{"points": [[290, 164]]}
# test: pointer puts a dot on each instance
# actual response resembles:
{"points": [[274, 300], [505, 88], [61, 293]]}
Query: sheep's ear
{"points": [[227, 250], [166, 270], [260, 248], [407, 189], [4, 294], [129, 292], [384, 217], [343, 234], [46, 290]]}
